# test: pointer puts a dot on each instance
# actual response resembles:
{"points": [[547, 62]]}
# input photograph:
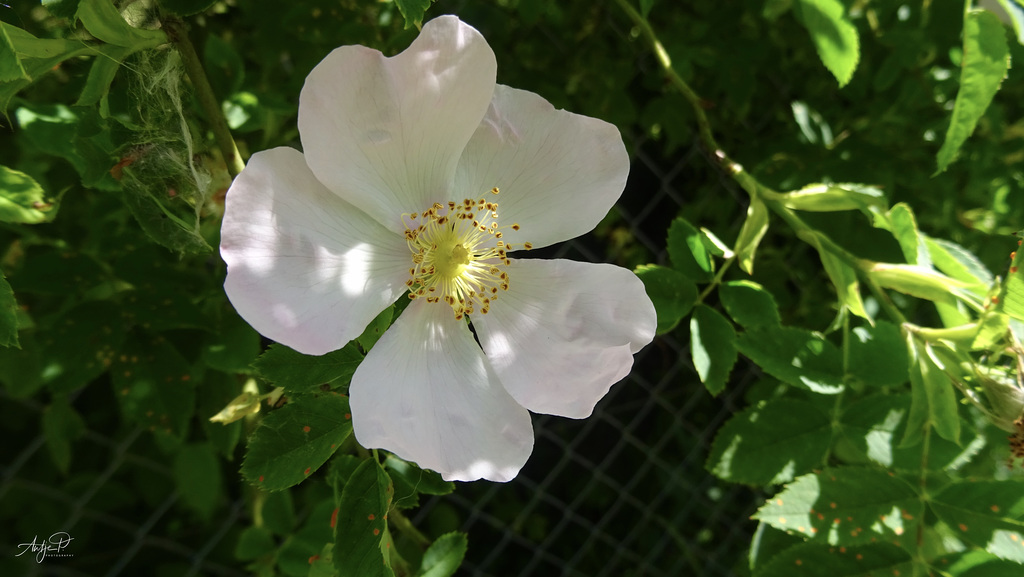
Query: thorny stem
{"points": [[178, 35]]}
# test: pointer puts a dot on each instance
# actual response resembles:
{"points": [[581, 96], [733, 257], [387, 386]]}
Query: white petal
{"points": [[426, 393], [559, 173], [386, 133], [565, 332], [305, 268]]}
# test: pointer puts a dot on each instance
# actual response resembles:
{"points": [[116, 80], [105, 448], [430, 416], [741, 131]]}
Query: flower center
{"points": [[457, 255]]}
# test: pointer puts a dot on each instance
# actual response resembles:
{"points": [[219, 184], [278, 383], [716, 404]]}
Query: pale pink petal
{"points": [[565, 332], [386, 133], [305, 268], [559, 173], [426, 393]]}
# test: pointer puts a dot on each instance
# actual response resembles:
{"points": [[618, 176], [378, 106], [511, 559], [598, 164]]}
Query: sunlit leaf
{"points": [[299, 373], [795, 356], [444, 555], [712, 347], [687, 251], [751, 233], [986, 58], [771, 443], [815, 560], [834, 36], [986, 514], [10, 67], [749, 304], [103, 21], [413, 11], [23, 200]]}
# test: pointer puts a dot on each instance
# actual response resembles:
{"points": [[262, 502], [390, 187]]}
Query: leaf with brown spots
{"points": [[282, 452], [363, 544], [987, 514]]}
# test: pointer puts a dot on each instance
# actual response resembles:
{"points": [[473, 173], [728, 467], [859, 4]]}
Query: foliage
{"points": [[876, 148]]}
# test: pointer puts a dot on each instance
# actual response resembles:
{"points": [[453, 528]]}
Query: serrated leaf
{"points": [[1012, 297], [292, 442], [103, 21], [814, 560], [153, 384], [795, 356], [767, 543], [61, 131], [749, 304], [878, 355], [61, 425], [299, 373], [443, 557], [986, 514], [197, 476], [957, 262], [8, 315], [10, 66], [415, 480], [834, 36], [933, 401], [23, 200], [842, 275], [687, 252], [362, 547], [976, 563], [712, 347], [413, 11], [904, 228], [846, 506], [672, 293], [753, 230], [771, 443], [986, 58]]}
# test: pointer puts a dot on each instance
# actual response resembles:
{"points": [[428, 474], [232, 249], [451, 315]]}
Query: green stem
{"points": [[178, 35]]}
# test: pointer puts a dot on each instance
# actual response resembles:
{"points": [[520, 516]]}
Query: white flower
{"points": [[419, 175]]}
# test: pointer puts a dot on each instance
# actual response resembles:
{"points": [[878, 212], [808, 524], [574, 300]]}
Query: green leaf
{"points": [[153, 384], [101, 74], [376, 328], [904, 228], [878, 355], [933, 401], [835, 37], [766, 544], [835, 197], [986, 58], [10, 67], [842, 275], [687, 251], [814, 560], [444, 555], [414, 480], [672, 293], [413, 11], [713, 348], [362, 547], [61, 425], [846, 506], [81, 346], [795, 356], [233, 348], [23, 200], [62, 8], [976, 563], [753, 230], [986, 514], [186, 7], [294, 441], [253, 543], [67, 133], [1012, 299], [197, 476], [103, 21], [8, 315], [749, 304], [957, 262], [160, 224], [299, 373], [771, 443]]}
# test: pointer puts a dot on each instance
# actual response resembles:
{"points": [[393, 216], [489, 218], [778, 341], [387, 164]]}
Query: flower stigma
{"points": [[458, 256]]}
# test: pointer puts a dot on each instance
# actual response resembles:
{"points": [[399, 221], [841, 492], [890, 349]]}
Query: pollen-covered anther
{"points": [[457, 258]]}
